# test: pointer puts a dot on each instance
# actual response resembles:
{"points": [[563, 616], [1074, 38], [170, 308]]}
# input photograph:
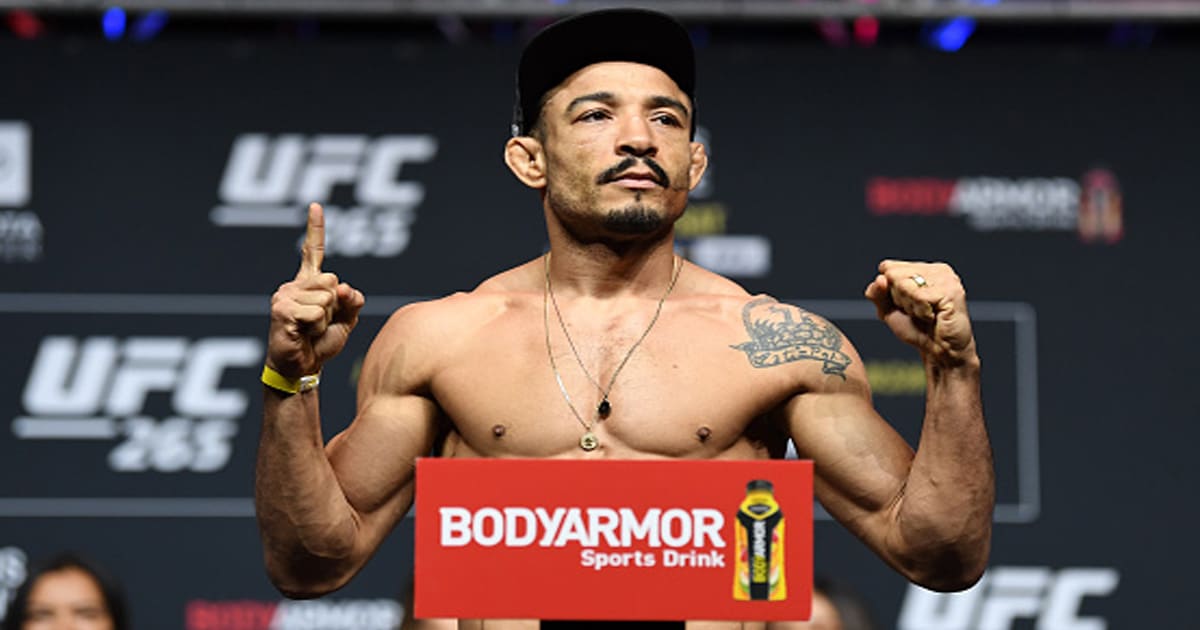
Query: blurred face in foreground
{"points": [[824, 617], [66, 600]]}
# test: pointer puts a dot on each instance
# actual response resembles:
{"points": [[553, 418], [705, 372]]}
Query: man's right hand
{"points": [[311, 316]]}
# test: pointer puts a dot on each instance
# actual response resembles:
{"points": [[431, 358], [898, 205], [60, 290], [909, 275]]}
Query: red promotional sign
{"points": [[632, 540]]}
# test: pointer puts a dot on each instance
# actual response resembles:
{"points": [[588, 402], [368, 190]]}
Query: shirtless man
{"points": [[524, 365]]}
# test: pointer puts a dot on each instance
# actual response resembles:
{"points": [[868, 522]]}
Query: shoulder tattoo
{"points": [[781, 333]]}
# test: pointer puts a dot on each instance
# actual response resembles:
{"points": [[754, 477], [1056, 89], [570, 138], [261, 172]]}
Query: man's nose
{"points": [[635, 137]]}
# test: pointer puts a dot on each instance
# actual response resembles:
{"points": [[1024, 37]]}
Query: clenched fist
{"points": [[925, 305], [311, 316]]}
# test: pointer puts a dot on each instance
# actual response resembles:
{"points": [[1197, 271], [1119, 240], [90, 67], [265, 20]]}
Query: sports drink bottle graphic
{"points": [[758, 568]]}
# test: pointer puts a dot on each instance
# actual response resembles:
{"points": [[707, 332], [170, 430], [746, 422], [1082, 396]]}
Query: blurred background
{"points": [[155, 159]]}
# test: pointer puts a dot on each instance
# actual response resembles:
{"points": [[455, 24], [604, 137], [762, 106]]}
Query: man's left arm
{"points": [[927, 513]]}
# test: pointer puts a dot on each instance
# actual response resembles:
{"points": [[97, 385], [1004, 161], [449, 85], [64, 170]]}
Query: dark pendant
{"points": [[604, 408]]}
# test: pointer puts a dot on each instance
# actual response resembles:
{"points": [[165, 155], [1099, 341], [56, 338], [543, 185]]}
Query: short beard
{"points": [[634, 219]]}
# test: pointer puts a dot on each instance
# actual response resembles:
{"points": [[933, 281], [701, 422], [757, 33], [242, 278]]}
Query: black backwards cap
{"points": [[637, 35]]}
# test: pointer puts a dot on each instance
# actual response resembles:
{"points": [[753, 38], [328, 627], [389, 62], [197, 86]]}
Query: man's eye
{"points": [[667, 119], [594, 115]]}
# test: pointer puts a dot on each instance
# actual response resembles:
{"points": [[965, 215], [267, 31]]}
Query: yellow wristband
{"points": [[275, 380]]}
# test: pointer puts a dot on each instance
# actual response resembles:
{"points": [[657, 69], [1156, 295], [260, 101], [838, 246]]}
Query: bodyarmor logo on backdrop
{"points": [[20, 229], [1008, 596], [1090, 206], [322, 614], [105, 388], [269, 181]]}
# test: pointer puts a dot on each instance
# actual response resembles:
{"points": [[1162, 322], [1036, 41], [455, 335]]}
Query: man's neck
{"points": [[607, 270]]}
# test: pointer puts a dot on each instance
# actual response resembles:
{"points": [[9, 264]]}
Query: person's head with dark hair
{"points": [[604, 124], [622, 34], [67, 591], [835, 606], [847, 601]]}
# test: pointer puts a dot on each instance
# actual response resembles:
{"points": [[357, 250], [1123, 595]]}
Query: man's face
{"points": [[616, 138]]}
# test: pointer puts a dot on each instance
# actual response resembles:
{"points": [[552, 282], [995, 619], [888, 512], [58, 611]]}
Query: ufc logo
{"points": [[97, 389], [15, 148], [1006, 594], [12, 574], [104, 376], [295, 169]]}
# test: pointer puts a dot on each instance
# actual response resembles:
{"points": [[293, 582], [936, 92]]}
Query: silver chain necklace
{"points": [[589, 441]]}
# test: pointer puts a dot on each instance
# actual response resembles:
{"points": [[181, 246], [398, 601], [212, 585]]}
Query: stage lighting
{"points": [[833, 31], [950, 35], [113, 23], [149, 25], [866, 30], [24, 24]]}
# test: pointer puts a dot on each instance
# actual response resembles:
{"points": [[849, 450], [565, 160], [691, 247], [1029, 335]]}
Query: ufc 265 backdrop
{"points": [[151, 199]]}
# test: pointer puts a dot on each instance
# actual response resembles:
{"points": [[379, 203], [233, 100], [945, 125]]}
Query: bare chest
{"points": [[683, 392]]}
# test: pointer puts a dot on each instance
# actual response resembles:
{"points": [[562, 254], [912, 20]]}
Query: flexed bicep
{"points": [[375, 458], [861, 462]]}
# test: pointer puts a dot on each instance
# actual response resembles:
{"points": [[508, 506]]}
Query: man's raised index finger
{"points": [[312, 253]]}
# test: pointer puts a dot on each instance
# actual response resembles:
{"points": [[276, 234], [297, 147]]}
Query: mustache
{"points": [[614, 173]]}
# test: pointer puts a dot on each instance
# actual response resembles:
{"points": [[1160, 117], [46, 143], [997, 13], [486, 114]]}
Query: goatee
{"points": [[633, 219]]}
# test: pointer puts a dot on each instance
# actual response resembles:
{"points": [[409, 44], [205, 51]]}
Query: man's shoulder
{"points": [[455, 311], [733, 301], [463, 310], [713, 294], [698, 281]]}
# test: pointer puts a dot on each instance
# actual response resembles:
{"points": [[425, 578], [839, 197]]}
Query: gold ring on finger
{"points": [[920, 280]]}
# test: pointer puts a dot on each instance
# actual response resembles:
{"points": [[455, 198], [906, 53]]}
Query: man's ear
{"points": [[524, 157], [699, 165]]}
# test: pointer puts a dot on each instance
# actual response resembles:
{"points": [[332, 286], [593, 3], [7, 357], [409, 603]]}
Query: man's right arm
{"points": [[324, 509]]}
